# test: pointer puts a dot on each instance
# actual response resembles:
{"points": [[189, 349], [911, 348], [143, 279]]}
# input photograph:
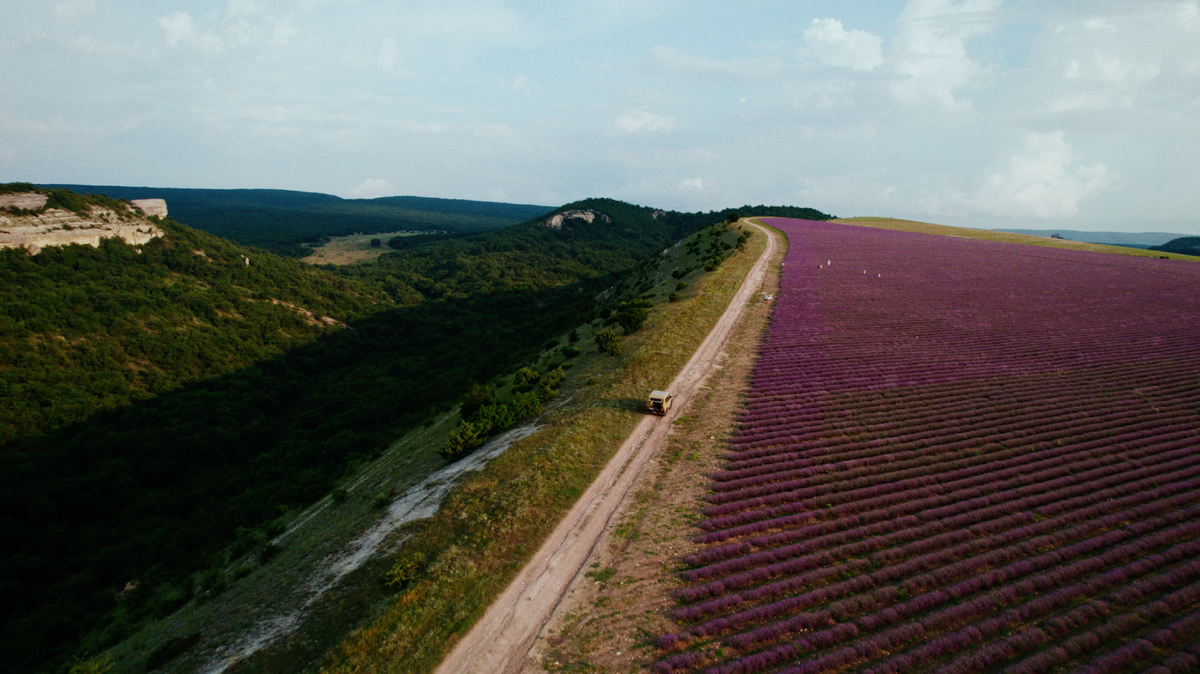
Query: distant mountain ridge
{"points": [[288, 222], [1138, 239]]}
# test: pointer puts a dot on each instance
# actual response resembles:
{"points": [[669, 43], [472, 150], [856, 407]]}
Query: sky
{"points": [[1038, 114]]}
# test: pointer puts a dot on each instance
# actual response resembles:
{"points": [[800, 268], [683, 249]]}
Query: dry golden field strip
{"points": [[1005, 237]]}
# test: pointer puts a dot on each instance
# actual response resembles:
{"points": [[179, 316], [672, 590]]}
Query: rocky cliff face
{"points": [[20, 228]]}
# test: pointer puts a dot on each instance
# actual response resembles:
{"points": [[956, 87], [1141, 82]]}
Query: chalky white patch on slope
{"points": [[420, 501]]}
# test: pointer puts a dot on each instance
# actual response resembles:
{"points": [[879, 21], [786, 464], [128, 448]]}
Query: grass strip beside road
{"points": [[491, 524]]}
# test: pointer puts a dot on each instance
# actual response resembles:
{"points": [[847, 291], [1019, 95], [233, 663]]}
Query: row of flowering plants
{"points": [[956, 456]]}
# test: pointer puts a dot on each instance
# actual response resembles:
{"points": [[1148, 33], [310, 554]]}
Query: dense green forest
{"points": [[163, 408], [288, 223], [1187, 245]]}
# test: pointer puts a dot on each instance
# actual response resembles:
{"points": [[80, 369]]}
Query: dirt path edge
{"points": [[500, 641]]}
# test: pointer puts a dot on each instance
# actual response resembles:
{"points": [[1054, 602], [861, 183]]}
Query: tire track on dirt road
{"points": [[500, 641]]}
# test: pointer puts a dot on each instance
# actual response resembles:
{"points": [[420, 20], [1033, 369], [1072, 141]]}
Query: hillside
{"points": [[169, 405], [288, 222], [1187, 245]]}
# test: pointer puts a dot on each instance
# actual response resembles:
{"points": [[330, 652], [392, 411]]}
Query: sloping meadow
{"points": [[957, 456]]}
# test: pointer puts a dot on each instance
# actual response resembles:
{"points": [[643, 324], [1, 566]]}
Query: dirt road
{"points": [[500, 640]]}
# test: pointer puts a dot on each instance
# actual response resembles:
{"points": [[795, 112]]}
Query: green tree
{"points": [[632, 315], [608, 342]]}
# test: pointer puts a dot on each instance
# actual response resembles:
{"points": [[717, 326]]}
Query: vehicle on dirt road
{"points": [[659, 403]]}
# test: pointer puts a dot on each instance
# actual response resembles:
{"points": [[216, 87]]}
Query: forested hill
{"points": [[163, 408], [288, 222], [1185, 245], [579, 240]]}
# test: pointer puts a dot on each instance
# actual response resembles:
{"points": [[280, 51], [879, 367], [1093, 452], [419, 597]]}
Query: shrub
{"points": [[526, 376], [476, 397], [608, 342], [633, 314], [406, 569], [462, 440]]}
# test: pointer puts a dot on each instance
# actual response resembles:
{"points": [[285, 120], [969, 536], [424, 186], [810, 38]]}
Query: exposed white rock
{"points": [[151, 207], [29, 201], [556, 221], [57, 227]]}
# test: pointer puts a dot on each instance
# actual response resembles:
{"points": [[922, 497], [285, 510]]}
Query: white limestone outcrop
{"points": [[556, 221], [58, 227]]}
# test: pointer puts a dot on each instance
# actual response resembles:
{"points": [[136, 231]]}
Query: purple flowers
{"points": [[986, 458]]}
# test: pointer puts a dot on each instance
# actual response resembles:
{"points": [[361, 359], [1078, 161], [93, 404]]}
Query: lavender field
{"points": [[957, 456]]}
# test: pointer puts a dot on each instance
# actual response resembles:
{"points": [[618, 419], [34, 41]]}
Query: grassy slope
{"points": [[493, 522], [1006, 237]]}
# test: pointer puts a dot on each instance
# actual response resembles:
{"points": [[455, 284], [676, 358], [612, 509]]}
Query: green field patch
{"points": [[357, 248]]}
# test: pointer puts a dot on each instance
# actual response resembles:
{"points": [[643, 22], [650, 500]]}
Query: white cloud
{"points": [[387, 54], [691, 185], [74, 9], [242, 24], [1148, 55], [180, 28], [931, 54], [237, 7], [1042, 180], [835, 46], [644, 120], [373, 188]]}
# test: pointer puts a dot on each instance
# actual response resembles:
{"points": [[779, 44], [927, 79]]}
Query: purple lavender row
{"points": [[925, 480], [1174, 635], [1015, 567], [811, 439], [777, 511], [819, 442], [1017, 431], [972, 524], [1080, 645], [896, 372], [880, 410], [994, 420], [1003, 500], [769, 506], [975, 522], [808, 481], [774, 391], [780, 385], [825, 638], [1009, 554], [1050, 596]]}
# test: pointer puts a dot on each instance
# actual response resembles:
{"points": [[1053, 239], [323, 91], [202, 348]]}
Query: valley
{"points": [[339, 468], [210, 459]]}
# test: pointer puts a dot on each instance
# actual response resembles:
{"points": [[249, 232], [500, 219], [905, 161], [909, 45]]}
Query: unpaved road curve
{"points": [[500, 640]]}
